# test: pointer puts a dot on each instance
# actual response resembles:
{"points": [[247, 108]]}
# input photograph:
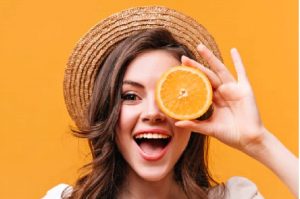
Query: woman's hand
{"points": [[235, 120]]}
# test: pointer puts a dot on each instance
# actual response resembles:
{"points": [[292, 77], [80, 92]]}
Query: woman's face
{"points": [[147, 138]]}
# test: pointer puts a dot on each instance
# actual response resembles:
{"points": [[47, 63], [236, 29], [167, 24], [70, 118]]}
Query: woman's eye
{"points": [[129, 97]]}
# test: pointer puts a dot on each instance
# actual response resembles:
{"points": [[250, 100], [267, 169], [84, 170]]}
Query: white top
{"points": [[236, 188]]}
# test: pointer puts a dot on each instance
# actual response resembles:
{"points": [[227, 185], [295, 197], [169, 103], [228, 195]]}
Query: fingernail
{"points": [[177, 123], [180, 123], [200, 47], [184, 57]]}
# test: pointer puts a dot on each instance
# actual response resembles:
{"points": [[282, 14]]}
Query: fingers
{"points": [[203, 127], [238, 64], [218, 74], [217, 66], [213, 78]]}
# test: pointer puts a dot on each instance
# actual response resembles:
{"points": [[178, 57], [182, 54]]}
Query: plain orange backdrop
{"points": [[36, 38]]}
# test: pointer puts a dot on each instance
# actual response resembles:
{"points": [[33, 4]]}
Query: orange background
{"points": [[36, 38]]}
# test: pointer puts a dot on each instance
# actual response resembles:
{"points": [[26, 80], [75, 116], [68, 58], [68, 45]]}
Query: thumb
{"points": [[203, 127]]}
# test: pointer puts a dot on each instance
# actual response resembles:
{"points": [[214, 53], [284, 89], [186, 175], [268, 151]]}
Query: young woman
{"points": [[109, 90]]}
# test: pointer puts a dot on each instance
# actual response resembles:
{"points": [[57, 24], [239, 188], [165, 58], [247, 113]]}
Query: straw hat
{"points": [[95, 45]]}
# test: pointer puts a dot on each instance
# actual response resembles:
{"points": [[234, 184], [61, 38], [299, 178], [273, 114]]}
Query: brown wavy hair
{"points": [[106, 172]]}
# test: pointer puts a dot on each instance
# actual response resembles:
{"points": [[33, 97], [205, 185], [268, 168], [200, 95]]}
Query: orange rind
{"points": [[184, 93]]}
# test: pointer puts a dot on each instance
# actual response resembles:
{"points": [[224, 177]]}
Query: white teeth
{"points": [[151, 136]]}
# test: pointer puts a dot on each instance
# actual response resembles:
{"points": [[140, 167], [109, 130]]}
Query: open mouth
{"points": [[152, 143]]}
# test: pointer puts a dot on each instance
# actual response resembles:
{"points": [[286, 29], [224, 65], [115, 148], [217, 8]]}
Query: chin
{"points": [[152, 174]]}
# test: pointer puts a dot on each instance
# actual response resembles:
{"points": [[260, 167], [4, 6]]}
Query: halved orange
{"points": [[183, 93]]}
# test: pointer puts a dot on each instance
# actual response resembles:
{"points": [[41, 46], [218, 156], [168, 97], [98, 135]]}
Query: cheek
{"points": [[126, 124], [183, 137], [128, 118]]}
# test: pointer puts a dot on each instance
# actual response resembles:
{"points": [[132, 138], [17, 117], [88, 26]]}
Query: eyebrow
{"points": [[133, 83]]}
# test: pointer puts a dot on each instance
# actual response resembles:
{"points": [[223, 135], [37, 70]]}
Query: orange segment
{"points": [[183, 93]]}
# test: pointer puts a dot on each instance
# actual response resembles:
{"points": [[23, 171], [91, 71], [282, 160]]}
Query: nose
{"points": [[151, 112]]}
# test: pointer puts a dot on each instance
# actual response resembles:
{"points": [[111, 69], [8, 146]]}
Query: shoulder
{"points": [[56, 192], [238, 188]]}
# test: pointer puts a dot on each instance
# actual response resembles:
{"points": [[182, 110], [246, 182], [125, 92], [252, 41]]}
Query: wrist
{"points": [[259, 145]]}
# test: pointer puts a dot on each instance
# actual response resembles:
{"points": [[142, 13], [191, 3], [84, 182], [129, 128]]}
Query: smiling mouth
{"points": [[152, 143]]}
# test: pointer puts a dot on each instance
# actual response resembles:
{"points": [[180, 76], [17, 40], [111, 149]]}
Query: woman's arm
{"points": [[236, 120], [273, 154]]}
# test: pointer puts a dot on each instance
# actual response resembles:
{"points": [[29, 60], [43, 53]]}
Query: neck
{"points": [[136, 187]]}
